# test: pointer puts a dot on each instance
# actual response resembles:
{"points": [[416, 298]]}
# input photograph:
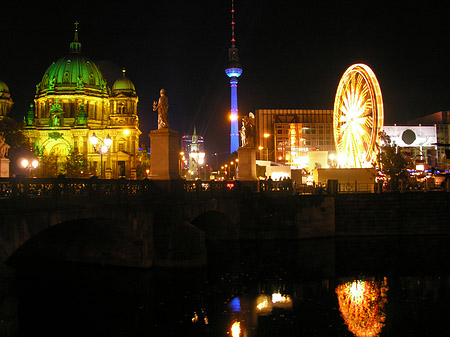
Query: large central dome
{"points": [[71, 73]]}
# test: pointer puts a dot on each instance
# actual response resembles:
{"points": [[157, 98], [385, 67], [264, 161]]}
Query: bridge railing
{"points": [[17, 188], [212, 188], [61, 188]]}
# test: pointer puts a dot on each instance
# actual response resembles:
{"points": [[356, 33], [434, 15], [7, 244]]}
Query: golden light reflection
{"points": [[280, 300], [361, 305], [262, 303], [236, 329]]}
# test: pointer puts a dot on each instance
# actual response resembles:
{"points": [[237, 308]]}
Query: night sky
{"points": [[293, 54]]}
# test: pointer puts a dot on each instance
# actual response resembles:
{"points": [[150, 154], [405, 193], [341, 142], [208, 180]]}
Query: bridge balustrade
{"points": [[35, 188], [19, 188], [211, 187]]}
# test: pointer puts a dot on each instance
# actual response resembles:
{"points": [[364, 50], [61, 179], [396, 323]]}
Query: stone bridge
{"points": [[138, 224], [134, 223]]}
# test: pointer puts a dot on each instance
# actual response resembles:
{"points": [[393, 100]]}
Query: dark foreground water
{"points": [[342, 287]]}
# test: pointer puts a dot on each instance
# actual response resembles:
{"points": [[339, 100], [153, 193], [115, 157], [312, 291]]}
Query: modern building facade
{"points": [[294, 136], [74, 111], [418, 143], [441, 122]]}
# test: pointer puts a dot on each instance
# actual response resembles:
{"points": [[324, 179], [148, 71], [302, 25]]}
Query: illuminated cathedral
{"points": [[74, 111]]}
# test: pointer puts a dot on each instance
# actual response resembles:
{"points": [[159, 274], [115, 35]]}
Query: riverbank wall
{"points": [[340, 215]]}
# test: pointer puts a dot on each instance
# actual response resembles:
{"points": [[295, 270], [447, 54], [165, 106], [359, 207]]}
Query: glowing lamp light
{"points": [[24, 163], [126, 132], [93, 139], [233, 117], [420, 167], [108, 141], [266, 135], [35, 163]]}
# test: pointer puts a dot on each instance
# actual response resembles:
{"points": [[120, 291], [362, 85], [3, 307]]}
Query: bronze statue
{"points": [[162, 106], [3, 146], [248, 131]]}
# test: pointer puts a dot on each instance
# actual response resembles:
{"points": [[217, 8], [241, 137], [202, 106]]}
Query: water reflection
{"points": [[236, 329], [361, 304], [304, 288]]}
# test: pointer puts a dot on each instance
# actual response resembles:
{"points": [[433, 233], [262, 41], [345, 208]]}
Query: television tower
{"points": [[233, 72]]}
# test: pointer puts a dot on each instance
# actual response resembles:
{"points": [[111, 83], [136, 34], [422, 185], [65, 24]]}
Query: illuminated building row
{"points": [[293, 136]]}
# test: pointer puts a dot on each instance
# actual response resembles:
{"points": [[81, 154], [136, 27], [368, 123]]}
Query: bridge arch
{"points": [[88, 240], [123, 223]]}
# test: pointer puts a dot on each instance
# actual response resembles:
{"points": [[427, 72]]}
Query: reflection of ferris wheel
{"points": [[358, 117]]}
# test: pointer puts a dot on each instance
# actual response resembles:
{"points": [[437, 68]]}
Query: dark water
{"points": [[335, 287]]}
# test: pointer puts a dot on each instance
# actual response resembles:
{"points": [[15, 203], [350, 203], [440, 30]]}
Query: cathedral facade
{"points": [[74, 111]]}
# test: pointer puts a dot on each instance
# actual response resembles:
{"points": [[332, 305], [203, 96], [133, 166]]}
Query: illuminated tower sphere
{"points": [[233, 72]]}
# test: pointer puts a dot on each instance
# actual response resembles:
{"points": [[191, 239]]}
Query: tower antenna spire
{"points": [[233, 71], [232, 25]]}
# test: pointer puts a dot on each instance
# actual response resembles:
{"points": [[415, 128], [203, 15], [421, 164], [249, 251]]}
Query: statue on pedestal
{"points": [[3, 147], [248, 131], [162, 106]]}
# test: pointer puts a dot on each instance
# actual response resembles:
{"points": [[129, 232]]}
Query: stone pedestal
{"points": [[247, 164], [4, 168], [165, 156]]}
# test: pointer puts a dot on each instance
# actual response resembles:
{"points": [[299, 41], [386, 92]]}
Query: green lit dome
{"points": [[123, 85], [74, 72]]}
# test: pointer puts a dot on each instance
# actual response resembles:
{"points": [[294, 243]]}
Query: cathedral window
{"points": [[66, 77], [122, 146]]}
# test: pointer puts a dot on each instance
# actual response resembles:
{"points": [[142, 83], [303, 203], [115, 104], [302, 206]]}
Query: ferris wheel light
{"points": [[358, 117]]}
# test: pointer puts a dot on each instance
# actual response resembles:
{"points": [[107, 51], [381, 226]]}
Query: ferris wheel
{"points": [[357, 117]]}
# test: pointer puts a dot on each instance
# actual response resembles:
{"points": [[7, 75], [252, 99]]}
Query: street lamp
{"points": [[261, 154], [103, 148], [25, 163]]}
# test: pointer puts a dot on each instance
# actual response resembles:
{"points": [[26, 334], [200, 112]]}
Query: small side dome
{"points": [[4, 88], [123, 85]]}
